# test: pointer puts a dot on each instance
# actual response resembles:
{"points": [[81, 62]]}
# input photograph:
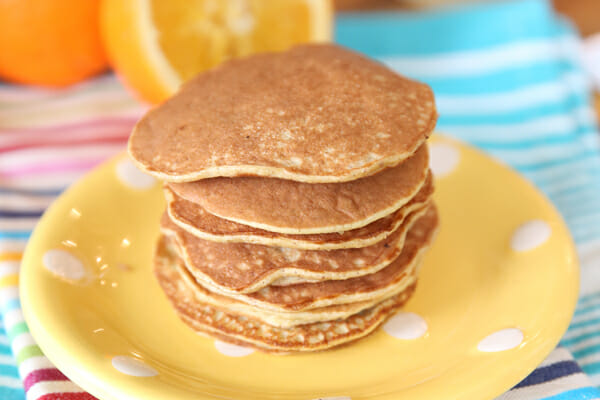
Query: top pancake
{"points": [[289, 207], [316, 113]]}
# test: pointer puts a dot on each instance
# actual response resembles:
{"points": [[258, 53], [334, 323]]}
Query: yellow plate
{"points": [[473, 283]]}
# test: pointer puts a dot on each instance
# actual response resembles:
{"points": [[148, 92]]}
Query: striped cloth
{"points": [[517, 92], [48, 139]]}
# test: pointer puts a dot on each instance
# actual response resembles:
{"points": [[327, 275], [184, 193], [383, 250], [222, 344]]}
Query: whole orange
{"points": [[50, 42]]}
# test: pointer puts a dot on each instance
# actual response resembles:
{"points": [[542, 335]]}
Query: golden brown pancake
{"points": [[316, 113], [223, 324], [166, 253], [302, 338], [247, 268], [194, 219], [289, 207], [384, 283]]}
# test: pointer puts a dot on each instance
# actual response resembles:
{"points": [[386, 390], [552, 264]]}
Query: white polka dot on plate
{"points": [[406, 325], [63, 264], [443, 158], [232, 350], [501, 340], [530, 235], [132, 177], [131, 366]]}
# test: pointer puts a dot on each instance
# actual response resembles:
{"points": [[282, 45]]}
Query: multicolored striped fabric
{"points": [[11, 387], [519, 93], [48, 139], [583, 336]]}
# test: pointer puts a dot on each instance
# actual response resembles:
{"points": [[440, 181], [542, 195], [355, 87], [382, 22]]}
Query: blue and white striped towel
{"points": [[508, 78]]}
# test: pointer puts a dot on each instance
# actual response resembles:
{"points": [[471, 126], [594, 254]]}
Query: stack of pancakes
{"points": [[298, 196]]}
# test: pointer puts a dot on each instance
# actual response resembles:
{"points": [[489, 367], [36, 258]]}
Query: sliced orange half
{"points": [[155, 45]]}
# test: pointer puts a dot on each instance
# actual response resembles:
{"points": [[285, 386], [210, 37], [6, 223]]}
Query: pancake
{"points": [[384, 283], [225, 325], [167, 254], [289, 207], [194, 219], [247, 268], [302, 338], [317, 113]]}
